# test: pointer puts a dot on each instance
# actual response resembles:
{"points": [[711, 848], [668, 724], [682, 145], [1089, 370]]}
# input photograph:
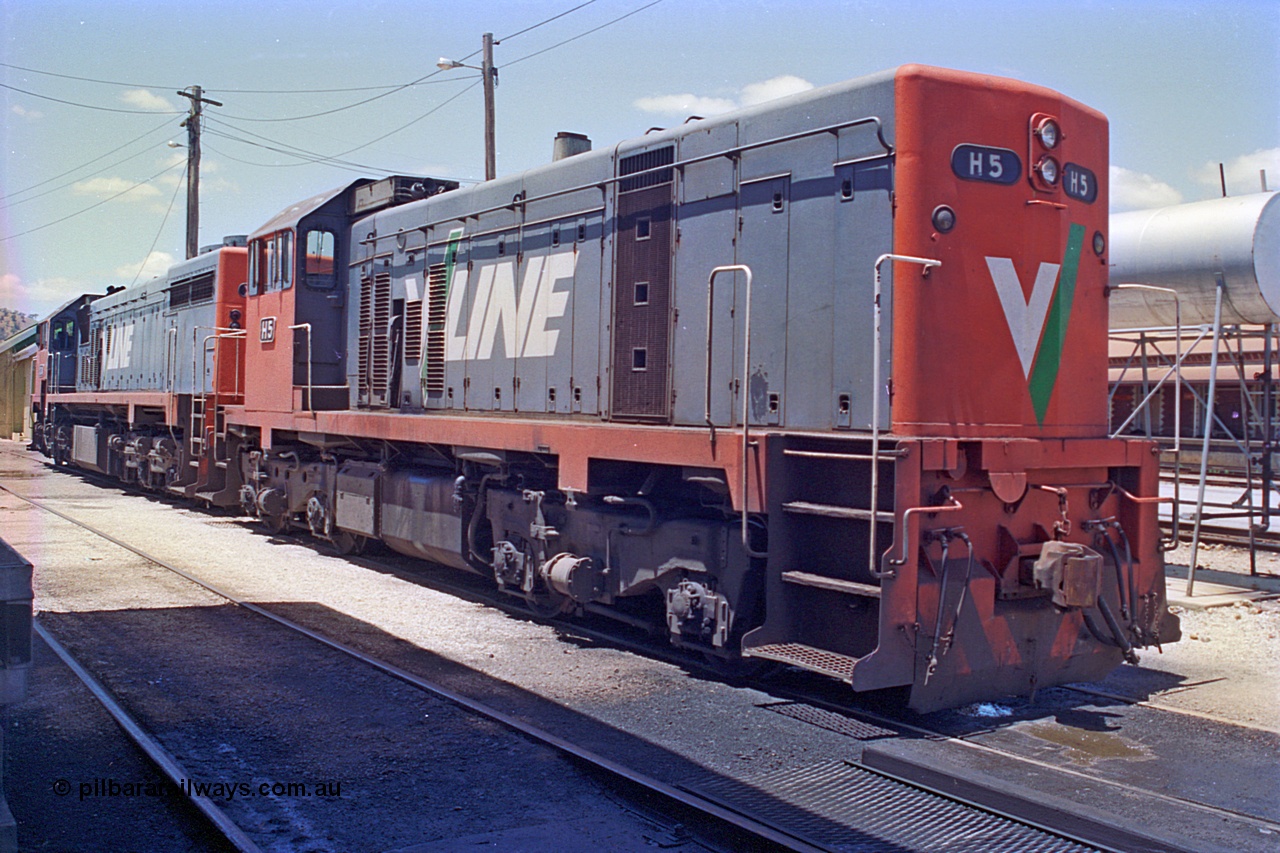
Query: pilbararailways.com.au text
{"points": [[224, 789]]}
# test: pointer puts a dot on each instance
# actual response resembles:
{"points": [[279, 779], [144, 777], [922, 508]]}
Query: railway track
{"points": [[732, 829], [796, 696], [726, 803]]}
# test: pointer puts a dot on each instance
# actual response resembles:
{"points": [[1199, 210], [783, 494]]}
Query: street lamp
{"points": [[490, 75]]}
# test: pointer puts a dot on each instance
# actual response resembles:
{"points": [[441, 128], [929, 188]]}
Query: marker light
{"points": [[1047, 133], [1099, 243], [944, 219], [1048, 170]]}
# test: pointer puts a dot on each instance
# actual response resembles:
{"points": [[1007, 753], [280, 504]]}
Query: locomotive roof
{"points": [[296, 211], [72, 303]]}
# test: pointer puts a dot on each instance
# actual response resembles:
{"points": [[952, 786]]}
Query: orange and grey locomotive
{"points": [[820, 382]]}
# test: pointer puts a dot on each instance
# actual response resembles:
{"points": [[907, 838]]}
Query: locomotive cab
{"points": [[299, 302]]}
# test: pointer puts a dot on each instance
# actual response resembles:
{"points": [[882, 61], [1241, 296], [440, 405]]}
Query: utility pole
{"points": [[490, 75], [490, 81], [192, 124]]}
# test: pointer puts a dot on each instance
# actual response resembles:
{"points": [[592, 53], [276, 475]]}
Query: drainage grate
{"points": [[830, 720], [841, 806]]}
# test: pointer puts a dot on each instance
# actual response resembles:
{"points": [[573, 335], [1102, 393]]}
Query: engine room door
{"points": [[641, 375]]}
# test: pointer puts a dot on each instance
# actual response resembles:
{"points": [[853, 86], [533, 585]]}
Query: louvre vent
{"points": [[413, 330], [640, 166], [375, 343], [196, 289], [437, 304]]}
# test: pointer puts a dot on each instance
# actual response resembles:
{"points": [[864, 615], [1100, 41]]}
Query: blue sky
{"points": [[92, 194]]}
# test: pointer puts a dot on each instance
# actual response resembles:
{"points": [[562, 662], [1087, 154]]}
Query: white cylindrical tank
{"points": [[1187, 247]]}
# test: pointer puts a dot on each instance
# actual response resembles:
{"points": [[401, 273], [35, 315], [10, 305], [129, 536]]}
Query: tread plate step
{"points": [[834, 511], [812, 658], [865, 590]]}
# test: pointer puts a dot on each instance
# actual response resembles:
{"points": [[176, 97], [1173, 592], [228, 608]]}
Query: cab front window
{"points": [[319, 262]]}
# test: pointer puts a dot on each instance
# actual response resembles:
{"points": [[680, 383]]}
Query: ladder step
{"points": [[865, 590], [833, 511], [812, 658]]}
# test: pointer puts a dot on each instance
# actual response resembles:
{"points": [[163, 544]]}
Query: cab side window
{"points": [[271, 263]]}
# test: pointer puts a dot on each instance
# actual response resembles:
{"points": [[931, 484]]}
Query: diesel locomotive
{"points": [[820, 382]]}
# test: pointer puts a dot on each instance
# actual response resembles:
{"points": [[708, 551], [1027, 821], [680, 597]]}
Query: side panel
{"points": [[707, 222]]}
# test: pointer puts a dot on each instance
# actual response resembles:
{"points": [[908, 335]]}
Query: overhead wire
{"points": [[6, 198], [85, 79], [130, 189], [584, 34], [91, 106], [159, 231], [529, 56], [283, 148], [547, 21]]}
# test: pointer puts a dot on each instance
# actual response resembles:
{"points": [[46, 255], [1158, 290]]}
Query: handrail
{"points": [[311, 403], [746, 376], [953, 506], [927, 263], [734, 151]]}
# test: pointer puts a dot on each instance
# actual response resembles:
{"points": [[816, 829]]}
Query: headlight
{"points": [[1047, 133], [1048, 170]]}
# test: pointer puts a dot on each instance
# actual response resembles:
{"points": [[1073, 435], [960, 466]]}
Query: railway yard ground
{"points": [[304, 748]]}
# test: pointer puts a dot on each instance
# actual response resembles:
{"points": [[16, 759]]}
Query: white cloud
{"points": [[753, 93], [19, 110], [157, 263], [686, 104], [1132, 190], [107, 187], [777, 87], [143, 99], [1243, 173]]}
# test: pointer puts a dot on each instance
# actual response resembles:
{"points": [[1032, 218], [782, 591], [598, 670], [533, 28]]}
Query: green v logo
{"points": [[1039, 324]]}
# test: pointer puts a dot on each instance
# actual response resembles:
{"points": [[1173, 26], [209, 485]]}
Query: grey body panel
{"points": [[155, 336], [540, 286]]}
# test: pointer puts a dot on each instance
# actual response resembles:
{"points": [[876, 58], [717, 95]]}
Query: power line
{"points": [[90, 106], [8, 203], [407, 124], [587, 33], [283, 147], [351, 106], [177, 186], [92, 206], [84, 79], [547, 21], [530, 56]]}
